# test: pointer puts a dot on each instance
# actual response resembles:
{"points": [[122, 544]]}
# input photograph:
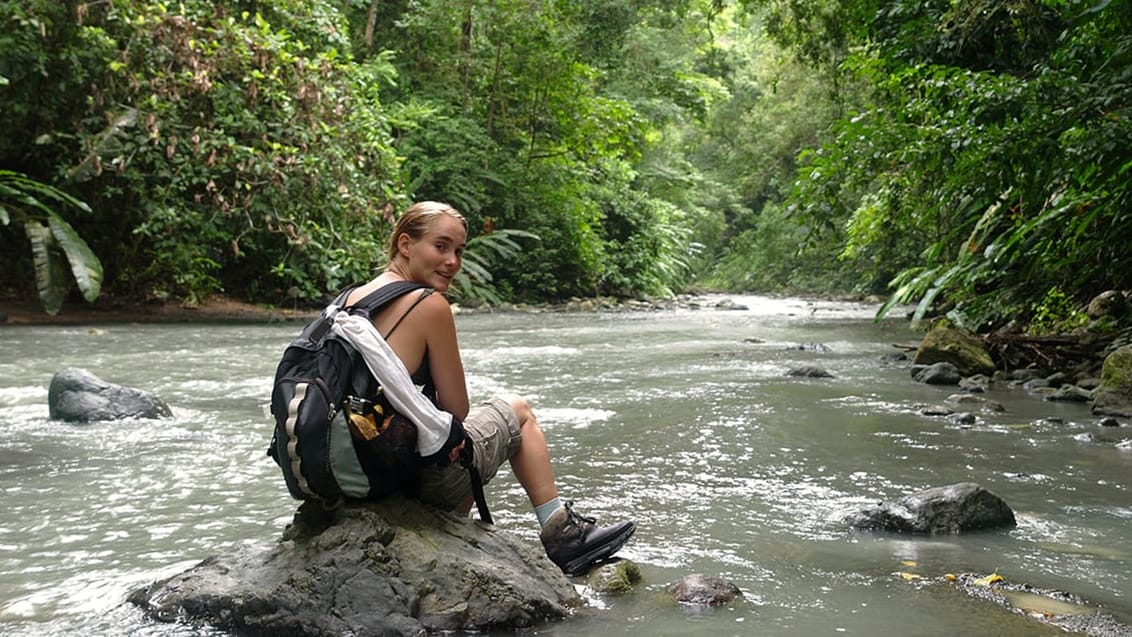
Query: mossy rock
{"points": [[1116, 374], [614, 578], [1114, 396], [949, 345]]}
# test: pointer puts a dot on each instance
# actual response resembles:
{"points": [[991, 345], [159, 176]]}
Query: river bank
{"points": [[219, 309], [224, 309]]}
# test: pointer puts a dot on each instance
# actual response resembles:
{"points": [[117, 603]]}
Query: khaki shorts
{"points": [[494, 430]]}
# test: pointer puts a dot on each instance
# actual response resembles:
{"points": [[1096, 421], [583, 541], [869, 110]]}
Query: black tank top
{"points": [[423, 376]]}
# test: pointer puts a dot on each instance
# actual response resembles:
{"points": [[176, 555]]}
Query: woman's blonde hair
{"points": [[418, 220]]}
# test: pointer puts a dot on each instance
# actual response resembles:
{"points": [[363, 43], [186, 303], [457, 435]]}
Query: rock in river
{"points": [[394, 567], [950, 509], [77, 395]]}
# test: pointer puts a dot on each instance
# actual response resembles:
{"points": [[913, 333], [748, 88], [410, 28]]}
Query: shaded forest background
{"points": [[971, 156]]}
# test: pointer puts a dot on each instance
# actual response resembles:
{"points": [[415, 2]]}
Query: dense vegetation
{"points": [[971, 155]]}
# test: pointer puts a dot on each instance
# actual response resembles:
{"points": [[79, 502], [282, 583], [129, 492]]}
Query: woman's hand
{"points": [[454, 454]]}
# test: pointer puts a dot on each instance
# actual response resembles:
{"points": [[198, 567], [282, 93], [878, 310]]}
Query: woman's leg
{"points": [[531, 463], [571, 541]]}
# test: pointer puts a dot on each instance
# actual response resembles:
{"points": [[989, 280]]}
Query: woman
{"points": [[426, 246]]}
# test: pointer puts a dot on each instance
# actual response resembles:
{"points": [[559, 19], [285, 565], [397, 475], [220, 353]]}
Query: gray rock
{"points": [[894, 357], [1025, 374], [1110, 303], [809, 371], [1057, 379], [76, 395], [936, 374], [964, 418], [728, 304], [1111, 403], [983, 403], [956, 508], [394, 567], [703, 590], [1089, 382], [1070, 393], [977, 384]]}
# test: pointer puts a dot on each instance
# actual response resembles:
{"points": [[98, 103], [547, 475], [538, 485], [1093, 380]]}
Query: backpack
{"points": [[335, 437]]}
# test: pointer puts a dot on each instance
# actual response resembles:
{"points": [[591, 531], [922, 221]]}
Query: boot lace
{"points": [[576, 519]]}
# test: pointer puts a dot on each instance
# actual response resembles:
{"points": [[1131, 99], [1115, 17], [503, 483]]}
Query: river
{"points": [[682, 420]]}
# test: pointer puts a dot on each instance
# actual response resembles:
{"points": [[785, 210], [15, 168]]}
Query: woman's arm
{"points": [[443, 350]]}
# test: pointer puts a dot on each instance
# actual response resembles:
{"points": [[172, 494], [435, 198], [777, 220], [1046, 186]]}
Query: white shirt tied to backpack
{"points": [[433, 424]]}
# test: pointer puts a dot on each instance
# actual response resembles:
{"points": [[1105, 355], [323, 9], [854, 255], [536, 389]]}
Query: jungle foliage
{"points": [[985, 165], [966, 155]]}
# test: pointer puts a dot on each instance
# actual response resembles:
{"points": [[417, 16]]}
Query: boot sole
{"points": [[583, 563]]}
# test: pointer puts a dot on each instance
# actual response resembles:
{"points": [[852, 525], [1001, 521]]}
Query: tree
{"points": [[220, 149], [988, 165]]}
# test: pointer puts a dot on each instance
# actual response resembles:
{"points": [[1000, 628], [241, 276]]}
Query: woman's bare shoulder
{"points": [[435, 305]]}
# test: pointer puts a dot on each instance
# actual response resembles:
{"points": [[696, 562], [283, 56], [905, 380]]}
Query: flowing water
{"points": [[681, 420]]}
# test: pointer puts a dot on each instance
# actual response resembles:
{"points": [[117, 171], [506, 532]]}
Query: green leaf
{"points": [[4, 218], [85, 265], [50, 270]]}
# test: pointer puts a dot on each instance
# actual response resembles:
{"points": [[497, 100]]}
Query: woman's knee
{"points": [[522, 409]]}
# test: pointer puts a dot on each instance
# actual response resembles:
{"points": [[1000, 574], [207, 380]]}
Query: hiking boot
{"points": [[575, 543]]}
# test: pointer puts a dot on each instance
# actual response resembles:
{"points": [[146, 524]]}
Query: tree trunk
{"points": [[371, 20], [466, 53]]}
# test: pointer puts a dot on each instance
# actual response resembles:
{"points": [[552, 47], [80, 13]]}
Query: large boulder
{"points": [[949, 345], [394, 567], [76, 395], [1114, 396], [955, 508]]}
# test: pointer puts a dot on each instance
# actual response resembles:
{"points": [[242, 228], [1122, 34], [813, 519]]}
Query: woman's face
{"points": [[436, 256]]}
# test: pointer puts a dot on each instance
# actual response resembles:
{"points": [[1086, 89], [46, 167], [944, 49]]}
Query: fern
{"points": [[56, 248]]}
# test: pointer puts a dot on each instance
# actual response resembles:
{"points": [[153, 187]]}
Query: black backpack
{"points": [[323, 391]]}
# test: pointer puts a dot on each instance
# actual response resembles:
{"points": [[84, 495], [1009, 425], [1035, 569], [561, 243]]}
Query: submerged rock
{"points": [[809, 371], [1055, 608], [76, 395], [955, 508], [982, 403], [614, 578], [394, 567], [703, 590]]}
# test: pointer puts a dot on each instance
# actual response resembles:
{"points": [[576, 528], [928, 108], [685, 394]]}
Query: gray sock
{"points": [[547, 509]]}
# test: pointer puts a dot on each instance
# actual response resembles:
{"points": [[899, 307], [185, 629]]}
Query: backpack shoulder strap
{"points": [[381, 296], [319, 327], [424, 293]]}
